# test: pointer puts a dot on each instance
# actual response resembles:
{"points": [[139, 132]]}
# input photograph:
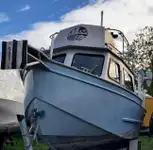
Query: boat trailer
{"points": [[29, 138]]}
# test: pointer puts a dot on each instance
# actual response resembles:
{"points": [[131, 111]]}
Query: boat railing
{"points": [[125, 43], [111, 46], [41, 53], [52, 37], [120, 53]]}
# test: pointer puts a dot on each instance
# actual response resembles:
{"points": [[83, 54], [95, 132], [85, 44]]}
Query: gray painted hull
{"points": [[80, 106]]}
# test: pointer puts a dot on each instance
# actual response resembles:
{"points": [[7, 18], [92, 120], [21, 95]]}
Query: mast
{"points": [[102, 18]]}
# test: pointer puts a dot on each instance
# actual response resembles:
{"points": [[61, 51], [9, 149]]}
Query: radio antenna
{"points": [[102, 18]]}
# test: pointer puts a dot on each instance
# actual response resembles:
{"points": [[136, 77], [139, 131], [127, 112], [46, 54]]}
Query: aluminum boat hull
{"points": [[78, 106]]}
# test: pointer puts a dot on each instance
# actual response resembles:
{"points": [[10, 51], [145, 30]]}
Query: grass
{"points": [[19, 145], [146, 144]]}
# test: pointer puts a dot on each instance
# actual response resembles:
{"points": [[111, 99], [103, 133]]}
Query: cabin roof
{"points": [[81, 35]]}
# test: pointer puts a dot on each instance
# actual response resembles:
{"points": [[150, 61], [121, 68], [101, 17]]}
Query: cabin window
{"points": [[128, 81], [59, 58], [114, 71], [89, 63]]}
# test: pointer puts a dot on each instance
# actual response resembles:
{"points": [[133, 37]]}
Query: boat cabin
{"points": [[91, 49]]}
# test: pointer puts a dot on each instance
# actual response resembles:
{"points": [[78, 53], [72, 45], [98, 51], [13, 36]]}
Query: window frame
{"points": [[119, 69], [124, 70], [59, 55], [92, 54]]}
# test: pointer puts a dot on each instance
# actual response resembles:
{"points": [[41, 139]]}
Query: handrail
{"points": [[44, 55], [120, 32], [119, 53], [29, 65], [125, 40], [114, 48], [52, 37]]}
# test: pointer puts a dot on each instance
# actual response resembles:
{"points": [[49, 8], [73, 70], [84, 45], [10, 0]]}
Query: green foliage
{"points": [[140, 52]]}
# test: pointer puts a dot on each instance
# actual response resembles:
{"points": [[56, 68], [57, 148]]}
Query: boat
{"points": [[80, 93], [86, 92], [11, 101]]}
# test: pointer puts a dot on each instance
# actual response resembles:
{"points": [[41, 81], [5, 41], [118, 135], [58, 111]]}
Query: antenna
{"points": [[102, 18]]}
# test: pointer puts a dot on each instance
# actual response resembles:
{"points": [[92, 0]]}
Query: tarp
{"points": [[11, 86]]}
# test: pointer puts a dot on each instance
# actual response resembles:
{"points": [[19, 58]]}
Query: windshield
{"points": [[88, 62]]}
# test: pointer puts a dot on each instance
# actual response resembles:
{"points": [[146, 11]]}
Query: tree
{"points": [[140, 52]]}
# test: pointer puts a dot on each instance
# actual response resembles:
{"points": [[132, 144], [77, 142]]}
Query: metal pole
{"points": [[134, 144], [24, 132], [102, 18], [52, 37], [123, 46], [52, 46]]}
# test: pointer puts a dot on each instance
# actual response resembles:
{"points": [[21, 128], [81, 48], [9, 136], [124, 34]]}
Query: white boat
{"points": [[11, 101]]}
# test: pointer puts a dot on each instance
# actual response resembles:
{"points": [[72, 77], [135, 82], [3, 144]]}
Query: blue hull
{"points": [[79, 105]]}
